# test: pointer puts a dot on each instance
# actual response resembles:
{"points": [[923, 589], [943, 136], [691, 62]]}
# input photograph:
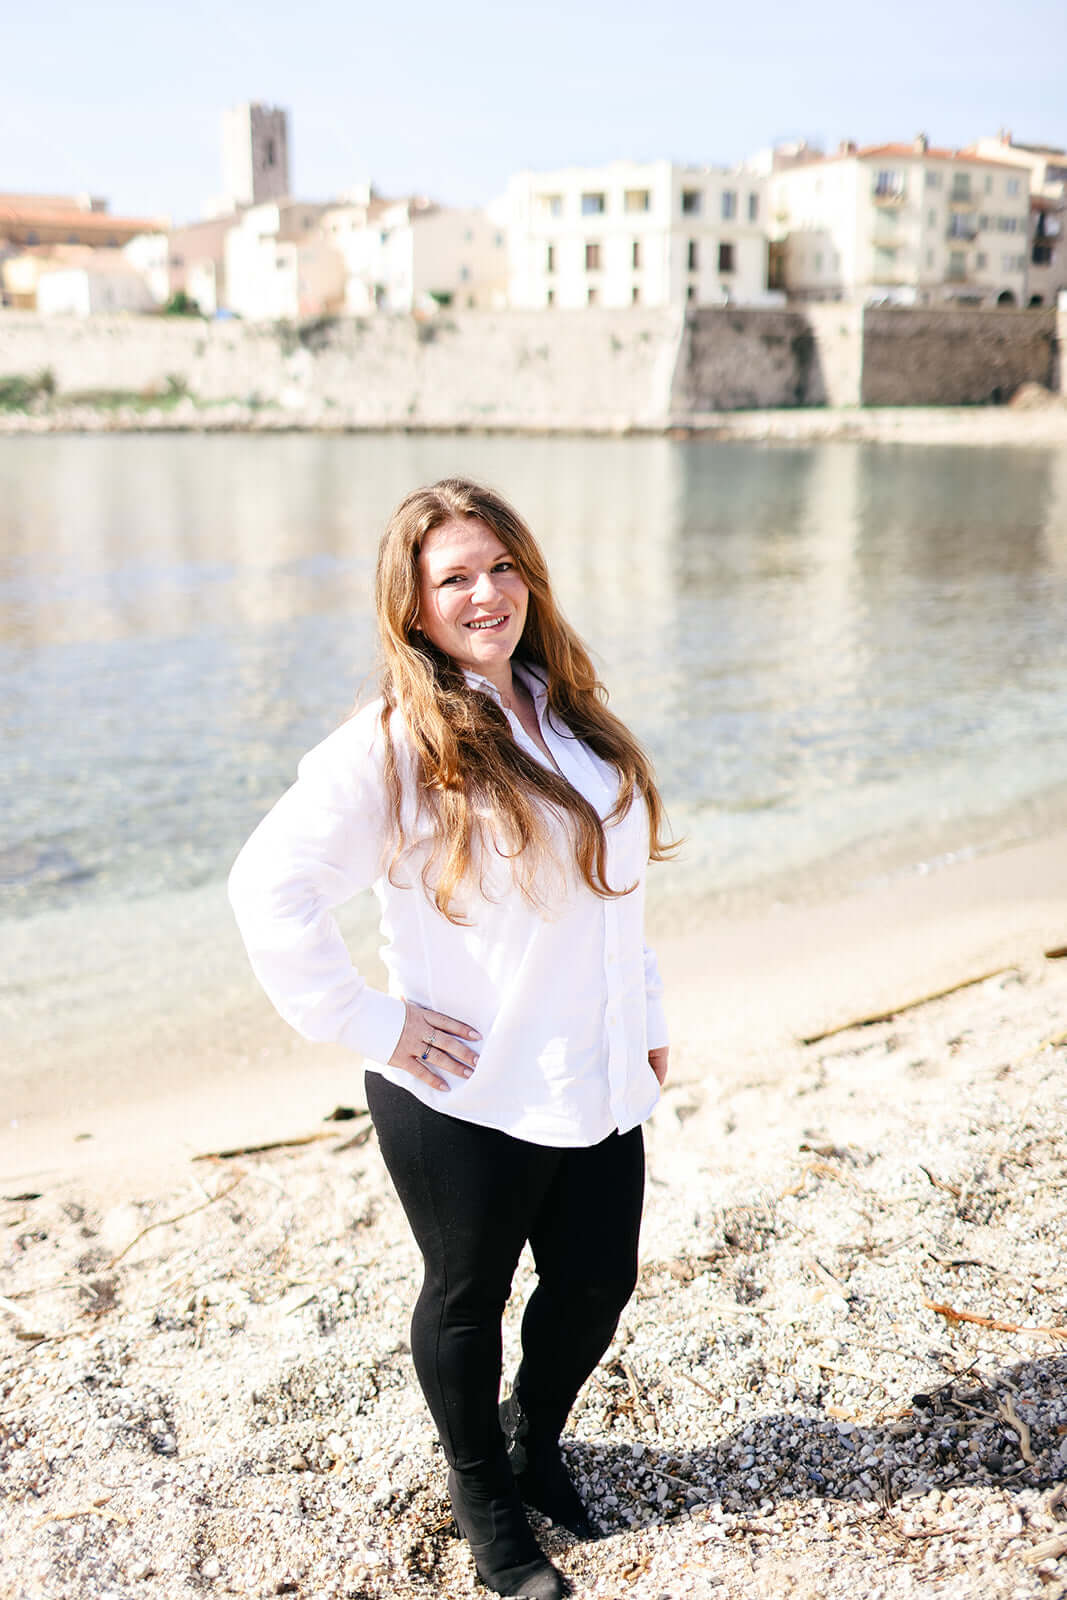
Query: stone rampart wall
{"points": [[596, 370], [951, 358]]}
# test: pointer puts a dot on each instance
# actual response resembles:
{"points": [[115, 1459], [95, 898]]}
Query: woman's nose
{"points": [[485, 589]]}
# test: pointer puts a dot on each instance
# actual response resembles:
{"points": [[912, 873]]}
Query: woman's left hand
{"points": [[657, 1060]]}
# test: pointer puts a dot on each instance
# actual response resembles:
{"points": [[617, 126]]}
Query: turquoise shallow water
{"points": [[837, 653]]}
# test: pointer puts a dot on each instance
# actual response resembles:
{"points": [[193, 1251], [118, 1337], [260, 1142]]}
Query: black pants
{"points": [[473, 1197]]}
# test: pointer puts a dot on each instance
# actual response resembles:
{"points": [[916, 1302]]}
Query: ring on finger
{"points": [[429, 1044]]}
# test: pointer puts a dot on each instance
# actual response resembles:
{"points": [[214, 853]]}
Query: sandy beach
{"points": [[844, 1367]]}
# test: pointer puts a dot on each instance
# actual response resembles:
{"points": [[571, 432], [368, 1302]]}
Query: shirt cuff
{"points": [[376, 1028], [656, 1034]]}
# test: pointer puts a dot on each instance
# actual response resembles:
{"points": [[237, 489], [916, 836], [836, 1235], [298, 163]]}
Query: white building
{"points": [[650, 234], [414, 256], [103, 281], [1048, 210], [149, 254], [905, 224], [279, 266]]}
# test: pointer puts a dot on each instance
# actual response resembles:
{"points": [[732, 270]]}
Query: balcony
{"points": [[964, 228], [961, 199], [884, 239], [889, 194]]}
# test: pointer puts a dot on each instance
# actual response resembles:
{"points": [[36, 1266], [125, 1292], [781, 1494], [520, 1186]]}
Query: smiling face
{"points": [[472, 597]]}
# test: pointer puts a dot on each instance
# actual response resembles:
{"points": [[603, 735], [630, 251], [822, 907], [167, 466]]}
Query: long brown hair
{"points": [[467, 764]]}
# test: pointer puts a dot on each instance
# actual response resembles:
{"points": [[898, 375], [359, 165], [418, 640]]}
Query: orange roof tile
{"points": [[85, 221], [910, 152]]}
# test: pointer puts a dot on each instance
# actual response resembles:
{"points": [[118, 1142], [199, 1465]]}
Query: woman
{"points": [[503, 817]]}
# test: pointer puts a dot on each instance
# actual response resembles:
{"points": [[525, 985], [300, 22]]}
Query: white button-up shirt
{"points": [[565, 994]]}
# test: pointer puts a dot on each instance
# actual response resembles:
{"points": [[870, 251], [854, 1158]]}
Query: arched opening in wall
{"points": [[1037, 299], [1005, 298]]}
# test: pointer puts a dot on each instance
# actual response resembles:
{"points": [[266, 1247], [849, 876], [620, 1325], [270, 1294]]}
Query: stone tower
{"points": [[255, 154]]}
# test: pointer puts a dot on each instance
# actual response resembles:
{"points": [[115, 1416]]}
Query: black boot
{"points": [[506, 1554], [543, 1480]]}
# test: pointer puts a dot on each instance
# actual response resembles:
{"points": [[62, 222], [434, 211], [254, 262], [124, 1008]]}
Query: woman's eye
{"points": [[453, 577], [504, 566]]}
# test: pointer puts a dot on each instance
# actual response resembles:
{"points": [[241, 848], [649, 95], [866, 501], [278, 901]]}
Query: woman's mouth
{"points": [[486, 624]]}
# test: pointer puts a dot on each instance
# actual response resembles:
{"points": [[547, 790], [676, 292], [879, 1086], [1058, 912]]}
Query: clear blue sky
{"points": [[123, 97]]}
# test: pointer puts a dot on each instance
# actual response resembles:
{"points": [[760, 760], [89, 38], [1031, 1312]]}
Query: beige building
{"points": [[1048, 210], [280, 266], [414, 256], [903, 224], [637, 233], [29, 221]]}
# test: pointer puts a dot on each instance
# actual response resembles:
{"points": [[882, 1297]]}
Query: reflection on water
{"points": [[820, 644]]}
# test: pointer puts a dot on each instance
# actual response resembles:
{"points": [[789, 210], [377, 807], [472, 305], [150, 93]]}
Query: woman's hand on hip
{"points": [[657, 1060], [432, 1043]]}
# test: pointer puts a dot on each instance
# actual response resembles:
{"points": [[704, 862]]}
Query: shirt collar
{"points": [[530, 675]]}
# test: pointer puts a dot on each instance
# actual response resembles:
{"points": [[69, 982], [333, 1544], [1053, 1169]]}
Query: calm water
{"points": [[830, 649]]}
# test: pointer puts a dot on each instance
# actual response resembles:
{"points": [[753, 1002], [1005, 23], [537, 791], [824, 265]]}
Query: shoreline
{"points": [[121, 1082], [1040, 426]]}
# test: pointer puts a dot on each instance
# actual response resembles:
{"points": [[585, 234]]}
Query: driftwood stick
{"points": [[259, 1149], [1048, 1550], [1007, 1412], [951, 1315], [166, 1222], [907, 1005]]}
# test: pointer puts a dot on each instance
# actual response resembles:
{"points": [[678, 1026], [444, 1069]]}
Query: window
{"points": [[753, 208], [593, 205], [983, 223], [635, 255], [591, 295], [464, 274], [691, 292], [933, 180], [268, 157], [592, 258], [929, 258], [957, 264], [550, 258], [550, 297], [1013, 186], [729, 205], [961, 186], [726, 258], [692, 202], [981, 261], [468, 235], [550, 205], [889, 185], [692, 259], [635, 295], [818, 261], [988, 184], [498, 240], [931, 218], [637, 200]]}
